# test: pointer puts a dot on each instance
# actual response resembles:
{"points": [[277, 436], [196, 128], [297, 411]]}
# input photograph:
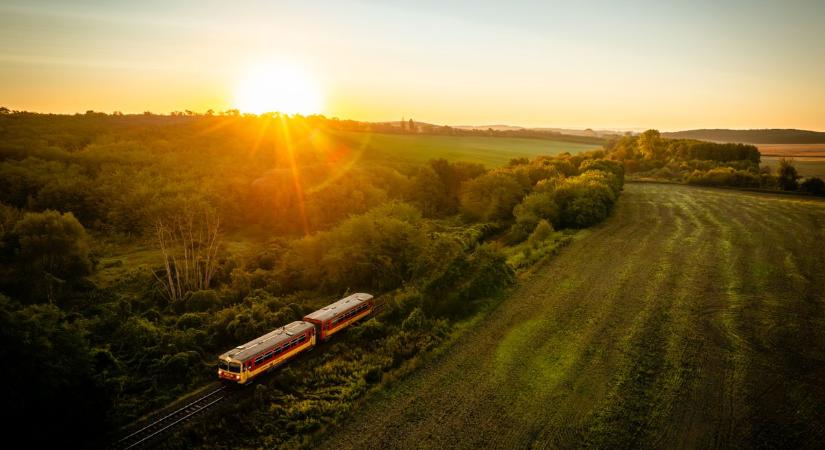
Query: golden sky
{"points": [[599, 64]]}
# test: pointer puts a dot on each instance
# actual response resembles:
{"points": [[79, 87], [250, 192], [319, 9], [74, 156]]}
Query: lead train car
{"points": [[246, 361], [337, 316]]}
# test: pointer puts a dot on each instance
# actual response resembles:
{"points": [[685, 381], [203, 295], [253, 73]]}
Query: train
{"points": [[245, 362]]}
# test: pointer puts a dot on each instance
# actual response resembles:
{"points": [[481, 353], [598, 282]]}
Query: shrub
{"points": [[813, 185], [787, 176], [490, 197], [199, 301], [725, 176], [543, 231], [377, 250], [536, 207], [585, 200], [415, 321], [478, 275]]}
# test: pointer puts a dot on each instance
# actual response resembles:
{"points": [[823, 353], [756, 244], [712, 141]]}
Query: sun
{"points": [[277, 87]]}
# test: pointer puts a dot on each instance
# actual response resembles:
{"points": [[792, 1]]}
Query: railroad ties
{"points": [[148, 435]]}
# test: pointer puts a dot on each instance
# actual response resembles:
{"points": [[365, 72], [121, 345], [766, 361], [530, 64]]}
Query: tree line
{"points": [[649, 155]]}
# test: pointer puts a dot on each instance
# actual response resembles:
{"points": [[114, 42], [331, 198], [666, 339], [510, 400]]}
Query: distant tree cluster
{"points": [[649, 155]]}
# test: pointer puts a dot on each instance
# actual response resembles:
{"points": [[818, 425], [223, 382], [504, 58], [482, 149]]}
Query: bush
{"points": [[200, 301], [471, 277], [491, 197], [787, 176], [725, 176], [415, 321], [536, 207], [585, 200], [543, 231], [377, 250], [813, 185]]}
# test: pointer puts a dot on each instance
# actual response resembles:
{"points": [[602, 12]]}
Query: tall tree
{"points": [[189, 244], [52, 248], [787, 176]]}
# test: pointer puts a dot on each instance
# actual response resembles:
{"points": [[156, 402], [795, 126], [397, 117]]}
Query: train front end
{"points": [[230, 369]]}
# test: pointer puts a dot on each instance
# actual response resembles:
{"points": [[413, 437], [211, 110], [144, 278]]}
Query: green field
{"points": [[490, 151], [692, 318]]}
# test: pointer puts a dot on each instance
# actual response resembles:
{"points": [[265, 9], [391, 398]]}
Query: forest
{"points": [[250, 222]]}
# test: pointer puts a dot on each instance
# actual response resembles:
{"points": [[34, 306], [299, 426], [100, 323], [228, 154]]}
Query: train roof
{"points": [[271, 339], [330, 311]]}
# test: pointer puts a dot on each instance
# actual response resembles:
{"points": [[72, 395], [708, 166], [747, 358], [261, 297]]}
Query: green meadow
{"points": [[490, 151]]}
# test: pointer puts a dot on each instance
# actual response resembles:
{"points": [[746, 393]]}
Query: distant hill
{"points": [[489, 127], [766, 136], [568, 131]]}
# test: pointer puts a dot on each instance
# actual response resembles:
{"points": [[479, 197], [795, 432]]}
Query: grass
{"points": [[490, 151], [693, 317]]}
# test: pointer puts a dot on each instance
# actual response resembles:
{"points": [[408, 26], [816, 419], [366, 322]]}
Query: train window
{"points": [[234, 367], [223, 365]]}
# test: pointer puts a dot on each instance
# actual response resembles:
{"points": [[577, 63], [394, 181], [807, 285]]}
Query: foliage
{"points": [[45, 251], [543, 231], [52, 374], [813, 185], [491, 197], [535, 208], [376, 250], [586, 199], [725, 176], [787, 176]]}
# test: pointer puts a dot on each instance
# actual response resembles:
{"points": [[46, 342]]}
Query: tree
{"points": [[787, 176], [814, 186], [52, 248], [411, 126], [491, 196], [650, 144], [541, 233], [52, 360], [189, 244]]}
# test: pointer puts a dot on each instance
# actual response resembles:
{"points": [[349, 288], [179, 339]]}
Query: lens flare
{"points": [[276, 87]]}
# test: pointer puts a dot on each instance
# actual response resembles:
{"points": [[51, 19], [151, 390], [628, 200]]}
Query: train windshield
{"points": [[229, 367]]}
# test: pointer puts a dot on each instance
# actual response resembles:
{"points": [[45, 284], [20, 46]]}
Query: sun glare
{"points": [[286, 89]]}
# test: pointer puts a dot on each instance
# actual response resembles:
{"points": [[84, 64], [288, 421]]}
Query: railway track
{"points": [[150, 433]]}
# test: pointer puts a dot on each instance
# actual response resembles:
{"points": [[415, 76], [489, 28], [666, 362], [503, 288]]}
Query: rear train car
{"points": [[244, 362], [339, 315]]}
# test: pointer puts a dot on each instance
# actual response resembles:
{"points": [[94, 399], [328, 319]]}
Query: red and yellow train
{"points": [[245, 362]]}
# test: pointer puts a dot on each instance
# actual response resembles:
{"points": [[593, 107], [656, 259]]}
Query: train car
{"points": [[339, 315], [245, 362]]}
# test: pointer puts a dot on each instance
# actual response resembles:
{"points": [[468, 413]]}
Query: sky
{"points": [[640, 64]]}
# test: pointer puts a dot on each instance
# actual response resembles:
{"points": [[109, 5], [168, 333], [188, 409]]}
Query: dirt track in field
{"points": [[692, 318]]}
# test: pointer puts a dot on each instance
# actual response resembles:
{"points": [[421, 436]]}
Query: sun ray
{"points": [[296, 179]]}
